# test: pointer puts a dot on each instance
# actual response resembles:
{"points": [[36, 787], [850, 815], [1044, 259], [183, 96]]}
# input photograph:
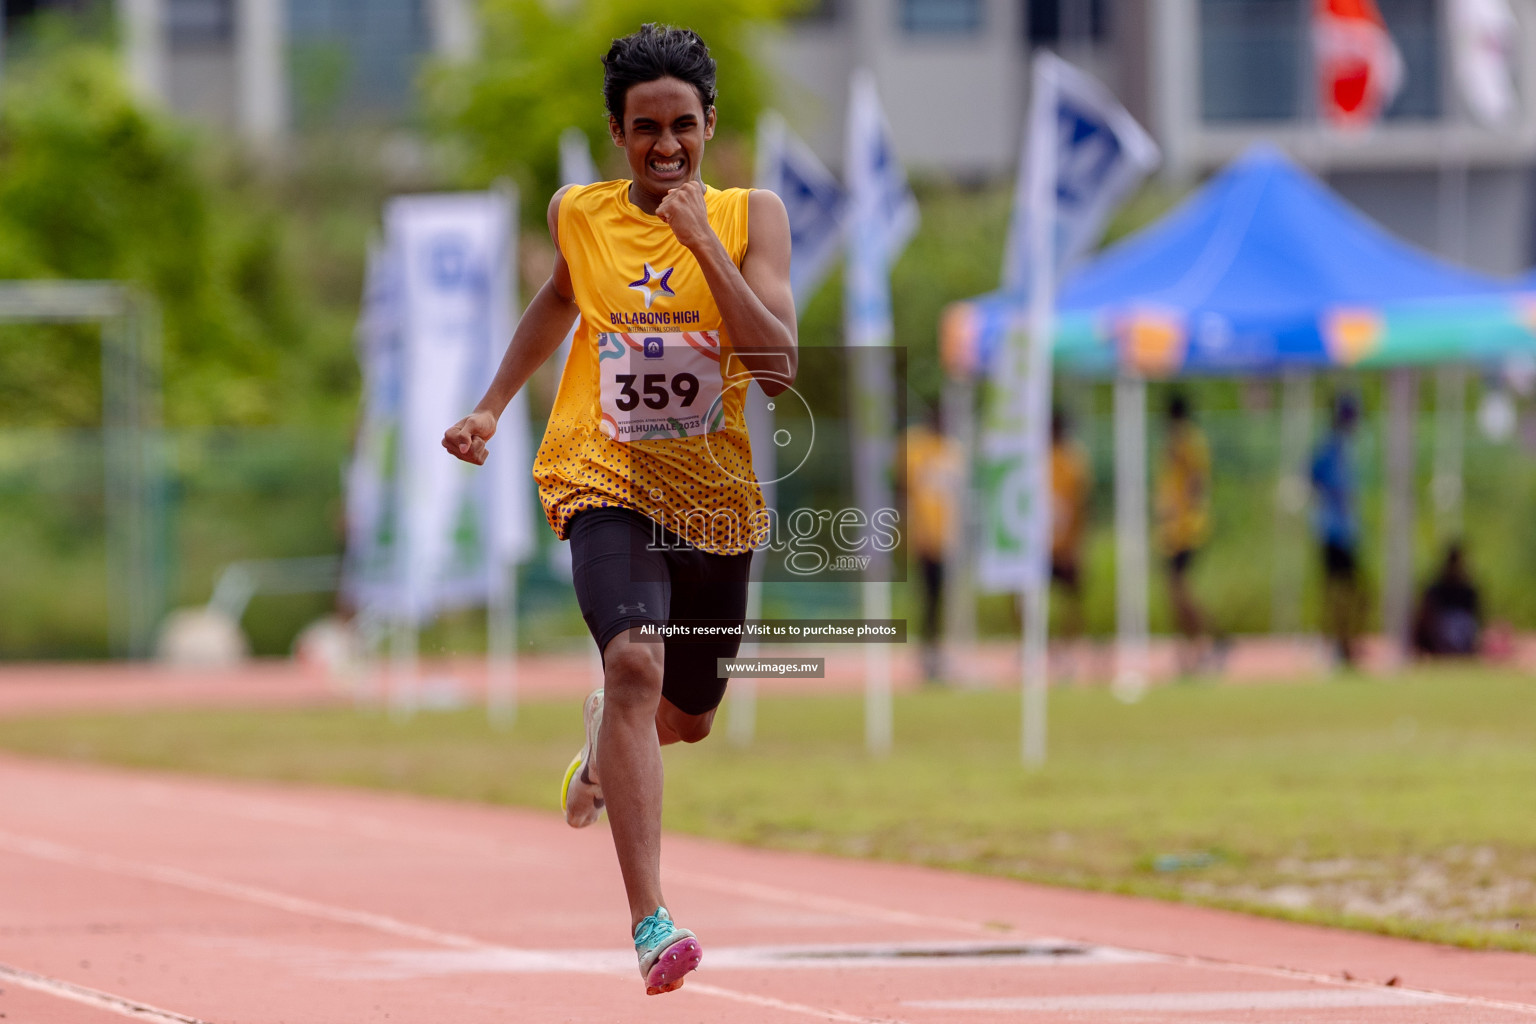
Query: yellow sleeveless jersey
{"points": [[649, 415]]}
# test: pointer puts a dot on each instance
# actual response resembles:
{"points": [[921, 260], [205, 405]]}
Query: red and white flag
{"points": [[1483, 35], [1359, 67]]}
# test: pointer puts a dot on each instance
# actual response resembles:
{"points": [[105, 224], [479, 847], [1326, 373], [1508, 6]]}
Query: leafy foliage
{"points": [[93, 186]]}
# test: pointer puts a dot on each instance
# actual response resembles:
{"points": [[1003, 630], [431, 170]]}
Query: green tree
{"points": [[94, 186], [540, 71]]}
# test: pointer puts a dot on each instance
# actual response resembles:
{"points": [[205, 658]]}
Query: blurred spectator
{"points": [[1183, 524], [934, 479], [1071, 481], [1449, 620], [1337, 522]]}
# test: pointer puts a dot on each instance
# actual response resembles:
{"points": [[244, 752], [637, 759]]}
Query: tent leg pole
{"points": [[1130, 537], [1397, 575], [1450, 444]]}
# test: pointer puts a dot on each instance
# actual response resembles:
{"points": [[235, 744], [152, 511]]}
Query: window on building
{"points": [[953, 17], [356, 57], [1052, 22], [199, 22], [1416, 27], [1256, 59]]}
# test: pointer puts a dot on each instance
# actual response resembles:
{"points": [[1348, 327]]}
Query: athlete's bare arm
{"points": [[544, 323], [755, 301]]}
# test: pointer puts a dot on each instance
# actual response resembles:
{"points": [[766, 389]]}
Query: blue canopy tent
{"points": [[1262, 270]]}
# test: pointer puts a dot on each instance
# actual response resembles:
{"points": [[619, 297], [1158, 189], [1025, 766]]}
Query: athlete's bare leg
{"points": [[637, 720]]}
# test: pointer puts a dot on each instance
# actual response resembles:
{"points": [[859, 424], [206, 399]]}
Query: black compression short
{"points": [[624, 578]]}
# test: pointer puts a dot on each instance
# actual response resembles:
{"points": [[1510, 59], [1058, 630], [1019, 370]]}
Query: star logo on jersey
{"points": [[654, 283]]}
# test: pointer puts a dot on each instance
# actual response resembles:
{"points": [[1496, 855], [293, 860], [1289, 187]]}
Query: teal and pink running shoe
{"points": [[666, 952]]}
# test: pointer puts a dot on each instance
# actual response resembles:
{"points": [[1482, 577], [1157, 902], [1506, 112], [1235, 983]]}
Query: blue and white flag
{"points": [[882, 215], [812, 197], [1083, 154], [1093, 154]]}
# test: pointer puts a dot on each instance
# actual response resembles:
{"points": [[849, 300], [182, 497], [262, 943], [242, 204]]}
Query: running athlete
{"points": [[646, 468]]}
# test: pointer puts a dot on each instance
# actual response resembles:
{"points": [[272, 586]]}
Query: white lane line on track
{"points": [[705, 988], [43, 849], [1185, 1002], [810, 901], [1297, 974], [92, 997], [271, 809]]}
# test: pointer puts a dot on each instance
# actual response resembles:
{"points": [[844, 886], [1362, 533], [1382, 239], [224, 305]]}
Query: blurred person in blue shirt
{"points": [[1335, 485]]}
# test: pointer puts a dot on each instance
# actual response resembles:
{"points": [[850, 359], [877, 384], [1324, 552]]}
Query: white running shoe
{"points": [[581, 794]]}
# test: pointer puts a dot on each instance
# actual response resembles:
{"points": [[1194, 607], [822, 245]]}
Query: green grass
{"points": [[1406, 806]]}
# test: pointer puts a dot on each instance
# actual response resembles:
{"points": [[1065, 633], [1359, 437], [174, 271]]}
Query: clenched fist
{"points": [[682, 209], [466, 439]]}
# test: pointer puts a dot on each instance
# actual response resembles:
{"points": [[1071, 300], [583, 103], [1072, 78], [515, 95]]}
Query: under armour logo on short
{"points": [[635, 609]]}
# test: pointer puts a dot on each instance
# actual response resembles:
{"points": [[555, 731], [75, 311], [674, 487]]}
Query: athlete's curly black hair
{"points": [[657, 51]]}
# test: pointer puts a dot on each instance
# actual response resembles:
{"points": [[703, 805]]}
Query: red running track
{"points": [[167, 899]]}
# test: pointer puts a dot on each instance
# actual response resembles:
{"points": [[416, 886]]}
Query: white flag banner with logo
{"points": [[576, 164], [1083, 155], [460, 527], [373, 510], [882, 217], [812, 197], [1484, 34]]}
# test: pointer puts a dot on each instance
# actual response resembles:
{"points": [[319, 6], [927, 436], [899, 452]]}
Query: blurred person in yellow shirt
{"points": [[933, 482], [1071, 483], [1183, 523]]}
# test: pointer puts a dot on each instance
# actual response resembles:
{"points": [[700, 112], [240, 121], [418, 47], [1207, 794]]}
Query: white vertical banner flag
{"points": [[1102, 155], [1082, 156], [373, 501], [454, 264], [510, 524], [1484, 34], [812, 197], [576, 164], [882, 216]]}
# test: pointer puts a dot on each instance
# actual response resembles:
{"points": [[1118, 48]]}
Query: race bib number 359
{"points": [[659, 385]]}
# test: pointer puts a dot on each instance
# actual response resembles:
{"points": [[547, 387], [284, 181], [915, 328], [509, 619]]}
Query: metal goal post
{"points": [[133, 484]]}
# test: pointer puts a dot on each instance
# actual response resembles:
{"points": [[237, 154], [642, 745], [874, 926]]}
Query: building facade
{"points": [[1207, 77], [270, 67]]}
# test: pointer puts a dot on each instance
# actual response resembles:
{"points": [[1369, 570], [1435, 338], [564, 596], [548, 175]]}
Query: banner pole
{"points": [[1130, 537], [1037, 416]]}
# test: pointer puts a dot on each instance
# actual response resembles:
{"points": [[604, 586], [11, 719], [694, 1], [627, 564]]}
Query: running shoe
{"points": [[581, 795], [666, 952]]}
